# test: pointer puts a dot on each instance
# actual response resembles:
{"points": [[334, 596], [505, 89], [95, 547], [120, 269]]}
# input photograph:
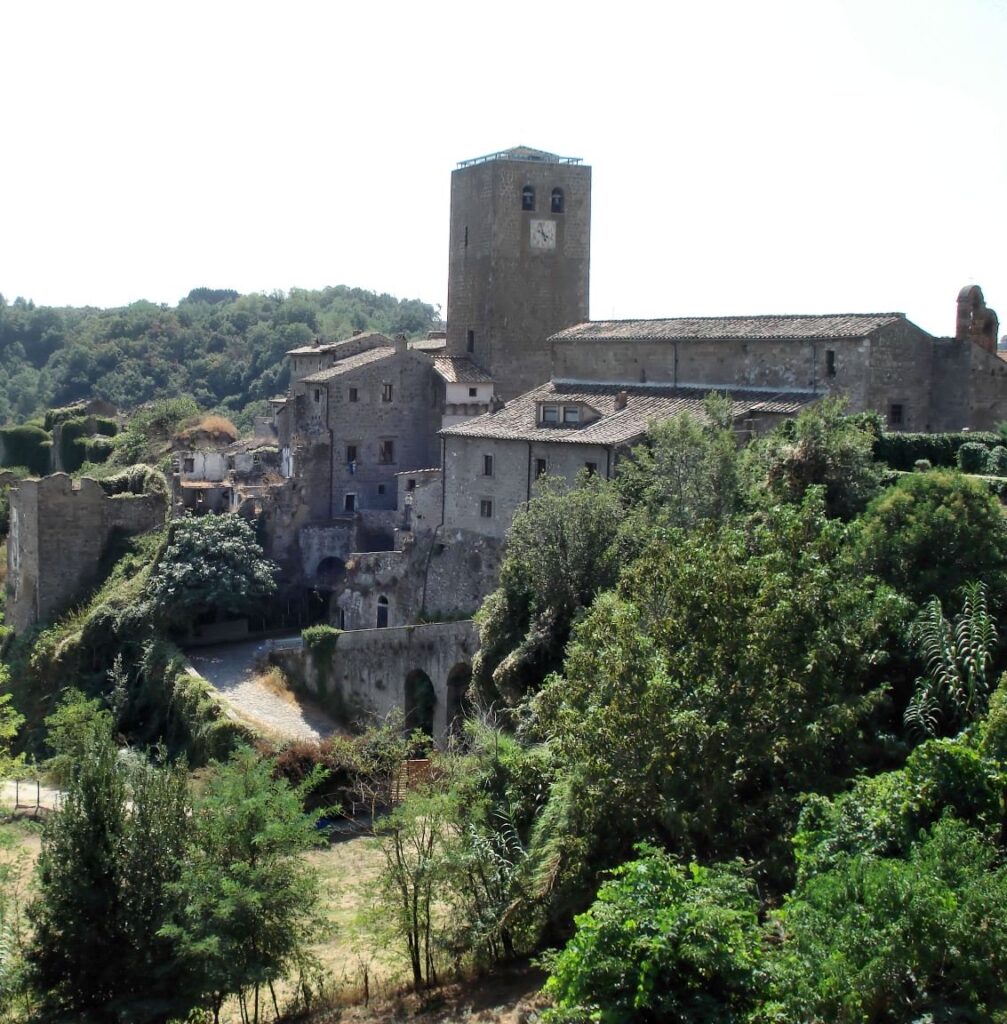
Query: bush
{"points": [[996, 462], [29, 446], [922, 465], [972, 457], [901, 451]]}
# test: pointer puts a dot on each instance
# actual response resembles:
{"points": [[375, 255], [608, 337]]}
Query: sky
{"points": [[749, 156]]}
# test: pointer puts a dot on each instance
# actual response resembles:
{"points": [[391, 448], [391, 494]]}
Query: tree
{"points": [[661, 943], [210, 562], [11, 721], [561, 550], [247, 902], [934, 532], [109, 856]]}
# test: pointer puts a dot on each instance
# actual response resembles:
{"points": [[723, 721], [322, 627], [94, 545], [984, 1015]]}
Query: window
{"points": [[341, 618], [188, 464], [487, 465], [486, 508], [571, 414], [386, 392], [230, 462], [318, 395], [470, 341], [350, 503], [382, 621], [896, 415], [386, 452], [527, 198], [592, 468], [550, 414], [557, 201], [466, 236], [541, 468], [830, 363], [473, 392], [381, 488], [354, 395], [410, 484], [351, 453]]}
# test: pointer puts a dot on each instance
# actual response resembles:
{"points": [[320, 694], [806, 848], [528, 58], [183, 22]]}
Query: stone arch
{"points": [[381, 619], [331, 572], [420, 702], [457, 699]]}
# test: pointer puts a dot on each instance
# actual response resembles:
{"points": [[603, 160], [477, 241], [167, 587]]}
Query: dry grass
{"points": [[273, 679], [211, 426]]}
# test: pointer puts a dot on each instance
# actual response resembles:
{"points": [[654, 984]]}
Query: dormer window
{"points": [[549, 415], [527, 198], [556, 206], [571, 415]]}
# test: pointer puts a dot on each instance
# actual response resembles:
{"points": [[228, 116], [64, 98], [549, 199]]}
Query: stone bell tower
{"points": [[519, 262]]}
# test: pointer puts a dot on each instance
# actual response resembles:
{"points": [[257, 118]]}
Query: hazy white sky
{"points": [[750, 156]]}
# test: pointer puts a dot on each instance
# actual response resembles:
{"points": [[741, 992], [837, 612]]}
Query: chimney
{"points": [[620, 401]]}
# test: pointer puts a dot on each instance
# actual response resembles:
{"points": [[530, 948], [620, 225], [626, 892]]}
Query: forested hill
{"points": [[224, 349]]}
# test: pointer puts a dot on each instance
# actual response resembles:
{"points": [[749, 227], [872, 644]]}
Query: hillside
{"points": [[224, 349]]}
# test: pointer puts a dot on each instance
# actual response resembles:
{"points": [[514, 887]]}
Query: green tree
{"points": [[109, 855], [661, 943], [934, 532], [561, 551], [210, 562], [247, 901], [70, 730]]}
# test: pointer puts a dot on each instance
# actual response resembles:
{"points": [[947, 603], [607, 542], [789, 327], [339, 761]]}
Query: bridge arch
{"points": [[457, 696], [420, 704]]}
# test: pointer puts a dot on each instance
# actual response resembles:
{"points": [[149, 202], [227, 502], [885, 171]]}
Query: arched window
{"points": [[557, 200], [382, 612], [527, 198]]}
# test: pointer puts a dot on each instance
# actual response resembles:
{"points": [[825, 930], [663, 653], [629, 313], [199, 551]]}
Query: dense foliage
{"points": [[222, 349]]}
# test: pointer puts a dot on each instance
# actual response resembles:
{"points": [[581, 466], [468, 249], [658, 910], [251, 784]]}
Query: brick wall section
{"points": [[59, 531], [510, 294]]}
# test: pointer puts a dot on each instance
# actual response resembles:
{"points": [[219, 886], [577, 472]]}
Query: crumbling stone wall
{"points": [[60, 529]]}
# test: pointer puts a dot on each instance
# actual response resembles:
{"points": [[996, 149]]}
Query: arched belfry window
{"points": [[527, 198], [557, 200]]}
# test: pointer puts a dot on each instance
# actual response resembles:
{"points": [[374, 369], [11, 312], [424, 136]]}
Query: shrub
{"points": [[29, 446], [901, 451], [996, 462], [922, 465], [972, 457]]}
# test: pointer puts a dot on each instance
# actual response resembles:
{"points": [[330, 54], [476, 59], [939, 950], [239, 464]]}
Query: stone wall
{"points": [[372, 670], [60, 529]]}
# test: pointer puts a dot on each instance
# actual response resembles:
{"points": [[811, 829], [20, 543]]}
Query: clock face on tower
{"points": [[543, 234]]}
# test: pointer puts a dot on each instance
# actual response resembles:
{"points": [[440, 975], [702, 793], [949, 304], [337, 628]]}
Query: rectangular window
{"points": [[354, 395], [386, 452], [592, 468], [351, 453], [541, 468], [381, 488], [410, 484], [350, 503], [470, 341], [571, 414], [318, 395], [896, 415], [188, 464], [550, 414], [386, 392], [473, 392], [487, 465], [486, 508], [830, 363]]}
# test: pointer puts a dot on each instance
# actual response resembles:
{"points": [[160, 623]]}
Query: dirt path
{"points": [[232, 671], [23, 796]]}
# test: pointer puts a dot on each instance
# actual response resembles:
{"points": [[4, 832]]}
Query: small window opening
{"points": [[470, 341], [487, 465], [592, 468], [410, 484], [550, 414], [382, 620], [557, 200], [351, 453], [230, 462], [350, 503], [541, 468], [386, 452], [527, 198], [486, 508], [341, 618], [318, 395], [381, 488], [473, 392], [188, 464], [386, 392], [571, 414], [896, 415], [830, 363], [466, 236], [354, 395]]}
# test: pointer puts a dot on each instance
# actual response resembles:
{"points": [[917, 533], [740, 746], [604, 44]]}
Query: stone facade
{"points": [[60, 530]]}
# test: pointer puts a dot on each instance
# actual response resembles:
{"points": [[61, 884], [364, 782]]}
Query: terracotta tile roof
{"points": [[703, 328], [518, 421], [361, 359], [333, 346], [458, 370]]}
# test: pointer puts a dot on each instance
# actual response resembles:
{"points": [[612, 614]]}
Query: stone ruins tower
{"points": [[519, 261]]}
